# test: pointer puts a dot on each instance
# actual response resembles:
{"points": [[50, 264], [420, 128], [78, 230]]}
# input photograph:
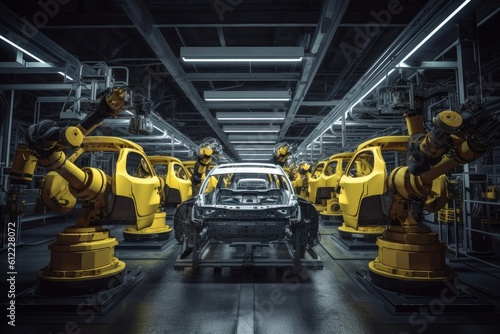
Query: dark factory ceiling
{"points": [[348, 46]]}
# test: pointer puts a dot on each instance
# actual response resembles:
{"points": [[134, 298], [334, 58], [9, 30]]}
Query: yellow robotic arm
{"points": [[82, 257], [411, 258], [204, 156], [282, 152], [301, 183], [46, 144], [456, 139]]}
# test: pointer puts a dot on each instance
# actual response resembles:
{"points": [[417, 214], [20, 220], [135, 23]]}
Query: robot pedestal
{"points": [[410, 260], [82, 261], [332, 214], [362, 233], [159, 230]]}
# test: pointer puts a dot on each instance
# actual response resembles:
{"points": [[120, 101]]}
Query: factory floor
{"points": [[156, 298]]}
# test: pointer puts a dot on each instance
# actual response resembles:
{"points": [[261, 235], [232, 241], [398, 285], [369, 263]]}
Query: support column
{"points": [[469, 84]]}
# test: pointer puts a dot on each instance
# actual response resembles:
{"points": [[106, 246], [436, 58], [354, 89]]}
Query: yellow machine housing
{"points": [[178, 185], [411, 258], [363, 187], [177, 176], [199, 168], [313, 185], [301, 182], [324, 187], [82, 257]]}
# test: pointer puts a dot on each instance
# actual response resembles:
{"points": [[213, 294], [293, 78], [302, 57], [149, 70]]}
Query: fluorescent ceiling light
{"points": [[67, 76], [256, 147], [165, 134], [251, 128], [31, 55], [22, 50], [255, 154], [251, 141], [435, 30], [409, 54], [326, 142], [266, 138], [224, 95], [253, 116], [339, 120], [242, 54]]}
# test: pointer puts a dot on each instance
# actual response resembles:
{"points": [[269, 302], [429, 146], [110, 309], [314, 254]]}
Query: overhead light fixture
{"points": [[250, 141], [261, 138], [248, 95], [419, 45], [242, 54], [435, 30], [255, 159], [22, 50], [256, 147], [251, 128], [254, 116], [255, 154], [31, 55]]}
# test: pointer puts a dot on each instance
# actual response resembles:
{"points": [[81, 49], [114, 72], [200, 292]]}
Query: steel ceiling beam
{"points": [[242, 76], [332, 13], [143, 20], [431, 15], [246, 105]]}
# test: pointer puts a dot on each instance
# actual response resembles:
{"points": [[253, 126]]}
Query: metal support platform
{"points": [[30, 302], [451, 300], [216, 254], [145, 244], [330, 220], [353, 244]]}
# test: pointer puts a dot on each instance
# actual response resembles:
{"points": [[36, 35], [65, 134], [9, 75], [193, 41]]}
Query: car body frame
{"points": [[247, 204]]}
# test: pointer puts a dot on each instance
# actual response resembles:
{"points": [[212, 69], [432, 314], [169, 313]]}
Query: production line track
{"points": [[165, 300]]}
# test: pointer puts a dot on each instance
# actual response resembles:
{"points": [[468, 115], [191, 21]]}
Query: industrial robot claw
{"points": [[411, 258], [82, 257]]}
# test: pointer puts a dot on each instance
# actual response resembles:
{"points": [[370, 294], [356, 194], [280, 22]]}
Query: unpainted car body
{"points": [[248, 203]]}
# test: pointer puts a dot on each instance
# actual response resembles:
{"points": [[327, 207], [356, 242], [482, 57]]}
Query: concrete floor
{"points": [[159, 299]]}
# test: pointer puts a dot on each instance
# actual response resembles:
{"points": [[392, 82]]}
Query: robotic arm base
{"points": [[411, 260]]}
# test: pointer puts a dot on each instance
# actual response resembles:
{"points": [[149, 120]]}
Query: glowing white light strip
{"points": [[246, 96], [258, 129], [253, 148], [254, 116], [255, 154], [246, 99], [436, 30], [21, 49], [215, 60], [252, 141], [67, 76], [250, 118], [364, 95], [409, 54], [30, 54]]}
